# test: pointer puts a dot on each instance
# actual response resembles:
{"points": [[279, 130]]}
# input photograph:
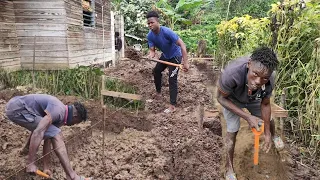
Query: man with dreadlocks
{"points": [[43, 114], [248, 82]]}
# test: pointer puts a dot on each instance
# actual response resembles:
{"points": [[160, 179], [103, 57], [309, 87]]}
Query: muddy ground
{"points": [[144, 144]]}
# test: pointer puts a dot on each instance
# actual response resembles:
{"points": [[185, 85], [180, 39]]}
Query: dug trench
{"points": [[141, 144]]}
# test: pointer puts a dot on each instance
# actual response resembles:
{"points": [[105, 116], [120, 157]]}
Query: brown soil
{"points": [[146, 144]]}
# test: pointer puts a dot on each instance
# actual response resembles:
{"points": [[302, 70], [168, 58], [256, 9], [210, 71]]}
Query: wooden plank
{"points": [[42, 40], [121, 95], [9, 54], [52, 47], [90, 59], [7, 19], [4, 48], [38, 19], [8, 26], [40, 12], [8, 41], [36, 26], [10, 63], [278, 111], [75, 28], [75, 54], [75, 35], [45, 66], [75, 16], [41, 33], [52, 60], [38, 5], [74, 21], [44, 53], [8, 35]]}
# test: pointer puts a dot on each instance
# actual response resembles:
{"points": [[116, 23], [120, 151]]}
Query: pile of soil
{"points": [[133, 54]]}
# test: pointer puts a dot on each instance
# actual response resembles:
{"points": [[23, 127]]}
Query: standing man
{"points": [[173, 50], [43, 115], [248, 83]]}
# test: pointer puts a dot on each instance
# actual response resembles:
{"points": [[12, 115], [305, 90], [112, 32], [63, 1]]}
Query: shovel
{"points": [[164, 62], [256, 142]]}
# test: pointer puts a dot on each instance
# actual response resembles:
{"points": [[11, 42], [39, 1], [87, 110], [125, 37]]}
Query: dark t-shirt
{"points": [[233, 81]]}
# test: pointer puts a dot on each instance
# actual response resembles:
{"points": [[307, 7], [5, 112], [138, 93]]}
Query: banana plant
{"points": [[172, 15]]}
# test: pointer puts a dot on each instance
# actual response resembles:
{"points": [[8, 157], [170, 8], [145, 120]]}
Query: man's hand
{"points": [[253, 122], [267, 142], [47, 171], [151, 55], [185, 66], [31, 169]]}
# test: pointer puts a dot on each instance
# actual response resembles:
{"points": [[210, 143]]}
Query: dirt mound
{"points": [[133, 54]]}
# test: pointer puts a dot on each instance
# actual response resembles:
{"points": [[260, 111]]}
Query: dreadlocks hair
{"points": [[152, 14], [266, 57], [81, 110]]}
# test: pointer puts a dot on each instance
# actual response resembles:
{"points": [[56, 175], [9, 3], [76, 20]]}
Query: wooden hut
{"points": [[55, 34]]}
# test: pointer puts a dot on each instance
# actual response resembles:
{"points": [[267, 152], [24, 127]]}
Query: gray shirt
{"points": [[233, 81], [43, 104], [33, 108]]}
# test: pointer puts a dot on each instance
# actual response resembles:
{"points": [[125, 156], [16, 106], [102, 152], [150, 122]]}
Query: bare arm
{"points": [[226, 103], [266, 114], [184, 51], [152, 51], [37, 137]]}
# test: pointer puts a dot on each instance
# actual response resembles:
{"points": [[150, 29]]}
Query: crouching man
{"points": [[43, 115], [248, 83]]}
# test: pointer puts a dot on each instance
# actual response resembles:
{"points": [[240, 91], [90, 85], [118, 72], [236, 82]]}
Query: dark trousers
{"points": [[173, 77]]}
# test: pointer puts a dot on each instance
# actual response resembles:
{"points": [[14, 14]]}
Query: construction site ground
{"points": [[149, 144]]}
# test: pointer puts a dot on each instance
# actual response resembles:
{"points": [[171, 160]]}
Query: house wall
{"points": [[9, 49], [45, 19], [85, 44]]}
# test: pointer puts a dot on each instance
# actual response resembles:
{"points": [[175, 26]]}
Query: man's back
{"points": [[39, 104]]}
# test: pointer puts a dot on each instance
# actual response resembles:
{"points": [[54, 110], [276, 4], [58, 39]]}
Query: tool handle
{"points": [[256, 150], [40, 173], [165, 62], [255, 132]]}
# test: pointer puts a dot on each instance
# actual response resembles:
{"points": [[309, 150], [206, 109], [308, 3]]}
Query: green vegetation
{"points": [[81, 81], [234, 28]]}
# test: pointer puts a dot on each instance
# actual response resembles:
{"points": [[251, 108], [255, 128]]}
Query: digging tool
{"points": [[164, 62], [256, 142], [42, 174]]}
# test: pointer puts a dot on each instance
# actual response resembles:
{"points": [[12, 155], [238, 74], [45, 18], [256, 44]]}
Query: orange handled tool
{"points": [[256, 143], [42, 174], [165, 62]]}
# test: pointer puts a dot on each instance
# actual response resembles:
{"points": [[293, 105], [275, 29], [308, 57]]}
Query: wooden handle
{"points": [[40, 173], [165, 62]]}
